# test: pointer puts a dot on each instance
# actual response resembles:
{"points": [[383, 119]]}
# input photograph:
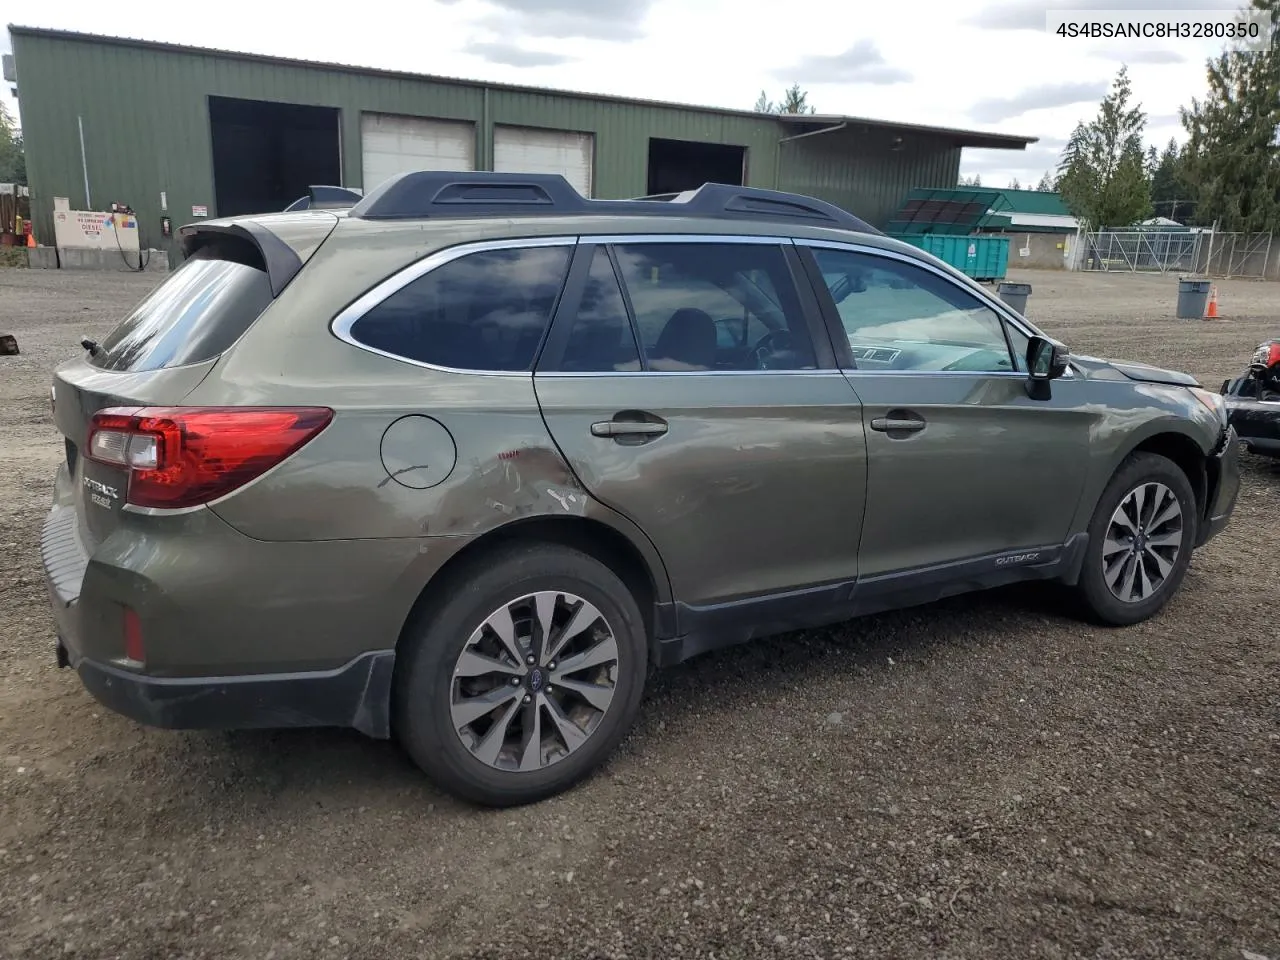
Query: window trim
{"points": [[836, 328], [340, 326], [566, 311], [811, 291]]}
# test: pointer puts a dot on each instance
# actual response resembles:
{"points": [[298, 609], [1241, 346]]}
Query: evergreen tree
{"points": [[794, 100], [1103, 178], [1046, 183], [1014, 184], [13, 161], [1231, 157], [1168, 195]]}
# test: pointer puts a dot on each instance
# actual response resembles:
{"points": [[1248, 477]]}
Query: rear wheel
{"points": [[524, 678], [1140, 541]]}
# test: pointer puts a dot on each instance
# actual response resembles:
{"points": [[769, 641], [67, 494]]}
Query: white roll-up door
{"points": [[533, 150], [391, 144]]}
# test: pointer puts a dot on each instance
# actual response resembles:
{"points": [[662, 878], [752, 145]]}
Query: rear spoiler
{"points": [[324, 197], [282, 241], [278, 257]]}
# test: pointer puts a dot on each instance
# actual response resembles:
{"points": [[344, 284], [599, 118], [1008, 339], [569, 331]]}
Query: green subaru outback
{"points": [[462, 463]]}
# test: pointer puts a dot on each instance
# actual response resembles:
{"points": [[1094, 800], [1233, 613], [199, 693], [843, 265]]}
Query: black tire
{"points": [[1100, 602], [434, 640]]}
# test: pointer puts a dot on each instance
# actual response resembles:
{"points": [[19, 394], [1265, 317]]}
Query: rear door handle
{"points": [[898, 425], [627, 428]]}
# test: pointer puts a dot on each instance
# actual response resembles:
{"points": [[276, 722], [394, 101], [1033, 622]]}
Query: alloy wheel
{"points": [[534, 681], [1143, 540]]}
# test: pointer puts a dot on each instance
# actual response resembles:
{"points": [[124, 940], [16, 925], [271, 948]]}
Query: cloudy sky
{"points": [[983, 64]]}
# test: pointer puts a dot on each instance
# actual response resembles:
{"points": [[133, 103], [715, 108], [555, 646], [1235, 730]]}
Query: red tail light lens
{"points": [[133, 646], [186, 456]]}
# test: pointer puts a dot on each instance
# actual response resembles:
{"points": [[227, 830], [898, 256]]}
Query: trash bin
{"points": [[1193, 296], [1015, 295]]}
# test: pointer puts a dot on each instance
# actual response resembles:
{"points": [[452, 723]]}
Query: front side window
{"points": [[486, 310], [899, 316], [715, 306]]}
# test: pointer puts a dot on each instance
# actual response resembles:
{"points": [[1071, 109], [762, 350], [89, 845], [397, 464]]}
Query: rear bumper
{"points": [[356, 695], [1224, 487], [236, 632]]}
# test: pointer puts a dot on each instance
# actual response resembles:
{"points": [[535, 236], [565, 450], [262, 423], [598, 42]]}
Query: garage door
{"points": [[393, 144], [529, 150]]}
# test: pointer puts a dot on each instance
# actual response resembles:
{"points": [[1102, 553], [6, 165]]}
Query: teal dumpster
{"points": [[980, 257]]}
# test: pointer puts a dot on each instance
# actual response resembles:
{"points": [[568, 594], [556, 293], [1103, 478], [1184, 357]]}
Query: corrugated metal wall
{"points": [[857, 169], [146, 130]]}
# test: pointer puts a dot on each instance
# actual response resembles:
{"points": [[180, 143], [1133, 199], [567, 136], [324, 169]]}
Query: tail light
{"points": [[133, 646], [186, 456], [1267, 355]]}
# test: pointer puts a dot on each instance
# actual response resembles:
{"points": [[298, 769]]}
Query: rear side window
{"points": [[196, 314], [484, 311]]}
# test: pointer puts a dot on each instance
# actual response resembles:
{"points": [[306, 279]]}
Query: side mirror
{"points": [[1046, 360]]}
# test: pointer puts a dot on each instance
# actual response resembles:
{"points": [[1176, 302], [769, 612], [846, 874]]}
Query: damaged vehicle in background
{"points": [[1253, 401]]}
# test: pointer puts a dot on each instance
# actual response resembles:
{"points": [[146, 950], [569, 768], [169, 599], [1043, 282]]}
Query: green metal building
{"points": [[179, 132]]}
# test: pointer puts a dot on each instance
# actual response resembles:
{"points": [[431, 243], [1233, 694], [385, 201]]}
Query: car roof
{"points": [[449, 195], [530, 205]]}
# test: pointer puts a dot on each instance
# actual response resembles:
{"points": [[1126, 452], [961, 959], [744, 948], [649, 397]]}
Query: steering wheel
{"points": [[775, 341]]}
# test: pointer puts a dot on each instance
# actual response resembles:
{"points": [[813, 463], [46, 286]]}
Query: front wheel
{"points": [[1140, 541], [524, 677]]}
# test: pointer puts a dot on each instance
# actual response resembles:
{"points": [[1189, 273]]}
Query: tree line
{"points": [[1227, 173], [13, 165]]}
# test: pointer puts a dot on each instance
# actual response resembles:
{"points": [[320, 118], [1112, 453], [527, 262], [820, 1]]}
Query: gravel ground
{"points": [[984, 777]]}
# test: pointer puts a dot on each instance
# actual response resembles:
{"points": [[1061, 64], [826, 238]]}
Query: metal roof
{"points": [[963, 138], [1032, 201], [943, 211], [961, 210]]}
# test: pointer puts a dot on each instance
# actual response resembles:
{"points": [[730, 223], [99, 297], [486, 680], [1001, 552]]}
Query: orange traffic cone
{"points": [[1212, 312], [31, 239]]}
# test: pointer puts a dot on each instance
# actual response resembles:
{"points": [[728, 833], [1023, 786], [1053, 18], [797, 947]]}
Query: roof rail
{"points": [[321, 196], [451, 195]]}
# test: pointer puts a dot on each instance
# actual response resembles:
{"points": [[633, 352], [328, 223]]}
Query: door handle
{"points": [[897, 425], [627, 428]]}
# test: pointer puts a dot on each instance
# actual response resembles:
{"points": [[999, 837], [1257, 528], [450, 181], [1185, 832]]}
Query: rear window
{"points": [[196, 314], [484, 311]]}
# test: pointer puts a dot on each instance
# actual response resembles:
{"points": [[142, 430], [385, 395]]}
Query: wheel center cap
{"points": [[537, 680]]}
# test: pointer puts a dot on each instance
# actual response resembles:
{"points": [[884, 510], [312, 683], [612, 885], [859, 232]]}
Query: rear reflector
{"points": [[133, 648], [186, 456]]}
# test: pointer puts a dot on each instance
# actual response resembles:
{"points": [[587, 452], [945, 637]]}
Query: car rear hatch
{"points": [[170, 342]]}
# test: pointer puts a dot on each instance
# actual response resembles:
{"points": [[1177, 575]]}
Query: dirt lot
{"points": [[986, 777]]}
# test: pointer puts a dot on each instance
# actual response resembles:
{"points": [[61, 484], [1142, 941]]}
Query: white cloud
{"points": [[860, 63]]}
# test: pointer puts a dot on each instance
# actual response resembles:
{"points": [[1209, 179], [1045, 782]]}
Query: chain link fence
{"points": [[1203, 253]]}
